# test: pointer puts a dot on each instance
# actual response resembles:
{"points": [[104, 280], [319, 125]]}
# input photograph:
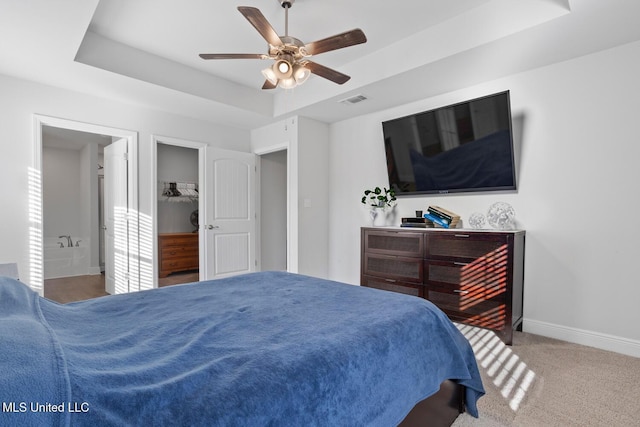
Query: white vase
{"points": [[378, 217]]}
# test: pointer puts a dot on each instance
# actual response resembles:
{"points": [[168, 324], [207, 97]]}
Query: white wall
{"points": [[62, 194], [21, 99], [313, 202], [576, 130]]}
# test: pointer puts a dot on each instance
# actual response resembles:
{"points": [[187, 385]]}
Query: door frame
{"points": [[36, 255], [178, 142]]}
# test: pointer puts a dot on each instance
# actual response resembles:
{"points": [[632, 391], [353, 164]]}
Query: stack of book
{"points": [[416, 222], [442, 217]]}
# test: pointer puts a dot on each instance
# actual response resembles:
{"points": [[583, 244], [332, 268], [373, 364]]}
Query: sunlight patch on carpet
{"points": [[509, 373]]}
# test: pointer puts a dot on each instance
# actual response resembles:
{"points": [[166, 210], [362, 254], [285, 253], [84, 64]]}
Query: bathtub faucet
{"points": [[69, 241]]}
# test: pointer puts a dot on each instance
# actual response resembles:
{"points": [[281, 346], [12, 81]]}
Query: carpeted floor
{"points": [[545, 382]]}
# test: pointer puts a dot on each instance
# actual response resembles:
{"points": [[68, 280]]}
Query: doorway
{"points": [[65, 225], [177, 220], [273, 211], [177, 161], [226, 205]]}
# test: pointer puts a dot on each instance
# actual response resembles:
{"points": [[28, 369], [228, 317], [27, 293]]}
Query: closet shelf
{"points": [[179, 192]]}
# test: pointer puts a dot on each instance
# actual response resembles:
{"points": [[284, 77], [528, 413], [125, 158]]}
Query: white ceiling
{"points": [[145, 52], [168, 29]]}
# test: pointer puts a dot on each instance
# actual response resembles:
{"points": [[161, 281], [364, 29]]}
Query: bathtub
{"points": [[65, 261]]}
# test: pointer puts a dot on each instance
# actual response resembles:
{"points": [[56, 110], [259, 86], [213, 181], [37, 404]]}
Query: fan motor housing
{"points": [[290, 46]]}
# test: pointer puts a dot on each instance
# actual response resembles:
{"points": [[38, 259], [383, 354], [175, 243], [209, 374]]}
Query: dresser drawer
{"points": [[470, 308], [488, 276], [178, 264], [179, 251], [184, 241], [393, 267], [393, 285], [467, 245], [394, 243]]}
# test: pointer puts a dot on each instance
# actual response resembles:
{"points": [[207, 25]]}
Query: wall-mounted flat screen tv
{"points": [[465, 147]]}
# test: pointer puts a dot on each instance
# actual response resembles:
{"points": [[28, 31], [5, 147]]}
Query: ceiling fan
{"points": [[291, 65]]}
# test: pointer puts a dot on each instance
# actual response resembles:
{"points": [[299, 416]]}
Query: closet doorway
{"points": [[226, 209], [177, 218], [178, 199]]}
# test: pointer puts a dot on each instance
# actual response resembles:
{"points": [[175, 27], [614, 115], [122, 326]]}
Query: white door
{"points": [[229, 222], [115, 218]]}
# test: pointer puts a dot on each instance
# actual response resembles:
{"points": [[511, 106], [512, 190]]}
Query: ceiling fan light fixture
{"points": [[300, 73], [282, 69], [289, 83], [270, 75]]}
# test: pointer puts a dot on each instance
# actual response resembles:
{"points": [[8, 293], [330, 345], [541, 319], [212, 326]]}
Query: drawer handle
{"points": [[461, 263], [461, 235], [390, 280], [458, 291]]}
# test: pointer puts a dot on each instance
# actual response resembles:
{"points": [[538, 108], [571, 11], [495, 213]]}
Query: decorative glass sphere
{"points": [[501, 216], [476, 220]]}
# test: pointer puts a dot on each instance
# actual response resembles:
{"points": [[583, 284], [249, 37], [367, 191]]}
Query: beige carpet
{"points": [[545, 382]]}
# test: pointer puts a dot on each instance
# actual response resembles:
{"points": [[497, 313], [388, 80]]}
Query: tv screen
{"points": [[464, 147]]}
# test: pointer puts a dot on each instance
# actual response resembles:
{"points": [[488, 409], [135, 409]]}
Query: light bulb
{"points": [[282, 69]]}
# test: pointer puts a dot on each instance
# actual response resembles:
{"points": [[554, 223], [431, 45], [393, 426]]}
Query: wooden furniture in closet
{"points": [[177, 252], [475, 277]]}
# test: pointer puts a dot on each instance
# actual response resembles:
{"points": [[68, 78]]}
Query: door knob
{"points": [[211, 227]]}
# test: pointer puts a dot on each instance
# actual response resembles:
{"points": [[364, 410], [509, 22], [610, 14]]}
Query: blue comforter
{"points": [[259, 349]]}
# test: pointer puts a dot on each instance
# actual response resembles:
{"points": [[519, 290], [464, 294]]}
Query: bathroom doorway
{"points": [[66, 240], [72, 168]]}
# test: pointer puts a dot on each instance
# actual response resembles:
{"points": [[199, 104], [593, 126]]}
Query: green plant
{"points": [[379, 198]]}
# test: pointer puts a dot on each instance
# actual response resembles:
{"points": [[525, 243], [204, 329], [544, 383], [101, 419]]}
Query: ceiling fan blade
{"points": [[233, 56], [326, 72], [346, 39], [260, 23], [268, 85]]}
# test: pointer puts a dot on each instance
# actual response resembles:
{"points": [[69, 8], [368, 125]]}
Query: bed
{"points": [[269, 348]]}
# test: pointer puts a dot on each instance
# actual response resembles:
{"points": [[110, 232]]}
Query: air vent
{"points": [[353, 99]]}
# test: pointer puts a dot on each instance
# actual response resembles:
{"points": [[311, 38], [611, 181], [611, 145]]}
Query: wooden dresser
{"points": [[475, 277], [177, 252]]}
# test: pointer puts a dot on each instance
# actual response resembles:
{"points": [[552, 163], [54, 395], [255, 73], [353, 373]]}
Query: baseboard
{"points": [[93, 271], [580, 336]]}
